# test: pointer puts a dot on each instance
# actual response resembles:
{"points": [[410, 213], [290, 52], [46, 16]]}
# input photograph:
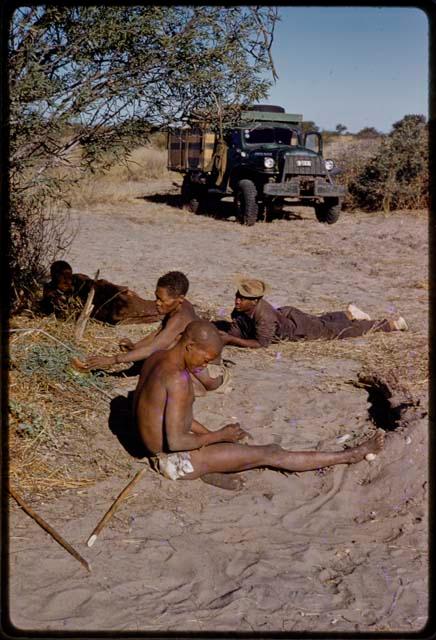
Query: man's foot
{"points": [[373, 445], [229, 481], [354, 313], [399, 324]]}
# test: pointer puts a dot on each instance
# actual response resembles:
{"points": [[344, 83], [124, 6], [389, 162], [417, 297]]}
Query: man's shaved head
{"points": [[204, 334]]}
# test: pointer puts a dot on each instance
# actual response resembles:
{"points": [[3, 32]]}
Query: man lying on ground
{"points": [[181, 447], [112, 303], [255, 322], [178, 312]]}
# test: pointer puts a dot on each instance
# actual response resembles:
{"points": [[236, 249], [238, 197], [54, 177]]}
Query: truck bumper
{"points": [[291, 189]]}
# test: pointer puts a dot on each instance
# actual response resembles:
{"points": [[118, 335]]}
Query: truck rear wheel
{"points": [[246, 202], [328, 211]]}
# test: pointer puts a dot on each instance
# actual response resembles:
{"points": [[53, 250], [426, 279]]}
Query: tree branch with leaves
{"points": [[98, 80]]}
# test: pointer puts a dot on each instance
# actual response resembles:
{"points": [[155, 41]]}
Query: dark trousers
{"points": [[334, 325]]}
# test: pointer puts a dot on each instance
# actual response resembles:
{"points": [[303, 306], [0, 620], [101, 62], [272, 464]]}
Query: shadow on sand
{"points": [[218, 208], [123, 426]]}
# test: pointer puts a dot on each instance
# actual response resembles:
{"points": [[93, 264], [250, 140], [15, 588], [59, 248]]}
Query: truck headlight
{"points": [[329, 164], [268, 163]]}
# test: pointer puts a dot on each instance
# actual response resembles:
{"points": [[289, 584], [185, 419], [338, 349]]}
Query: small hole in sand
{"points": [[381, 413]]}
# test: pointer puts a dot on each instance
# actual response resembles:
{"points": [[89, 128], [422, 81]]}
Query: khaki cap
{"points": [[251, 288]]}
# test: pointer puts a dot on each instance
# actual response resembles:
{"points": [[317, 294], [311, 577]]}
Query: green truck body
{"points": [[262, 162]]}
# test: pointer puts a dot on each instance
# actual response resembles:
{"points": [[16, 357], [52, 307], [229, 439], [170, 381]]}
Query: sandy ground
{"points": [[340, 550]]}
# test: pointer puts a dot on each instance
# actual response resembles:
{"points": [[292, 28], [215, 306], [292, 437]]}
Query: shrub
{"points": [[396, 177], [351, 155]]}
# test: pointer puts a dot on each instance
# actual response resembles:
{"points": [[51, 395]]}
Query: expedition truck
{"points": [[263, 161]]}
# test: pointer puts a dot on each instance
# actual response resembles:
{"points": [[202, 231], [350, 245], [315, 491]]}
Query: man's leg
{"points": [[355, 328], [331, 326], [233, 457]]}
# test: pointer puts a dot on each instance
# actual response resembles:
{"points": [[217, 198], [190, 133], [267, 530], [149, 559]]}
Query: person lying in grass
{"points": [[256, 323], [67, 292]]}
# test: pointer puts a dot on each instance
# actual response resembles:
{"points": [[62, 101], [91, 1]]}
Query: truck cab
{"points": [[264, 161]]}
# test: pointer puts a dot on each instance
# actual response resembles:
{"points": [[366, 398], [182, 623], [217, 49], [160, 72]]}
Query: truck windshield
{"points": [[268, 135]]}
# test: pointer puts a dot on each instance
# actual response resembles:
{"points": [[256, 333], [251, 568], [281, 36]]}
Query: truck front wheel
{"points": [[246, 202], [328, 211]]}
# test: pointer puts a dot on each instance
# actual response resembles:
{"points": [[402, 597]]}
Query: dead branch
{"points": [[110, 512], [86, 312], [42, 523]]}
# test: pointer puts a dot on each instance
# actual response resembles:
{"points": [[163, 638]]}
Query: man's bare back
{"points": [[187, 449], [151, 398]]}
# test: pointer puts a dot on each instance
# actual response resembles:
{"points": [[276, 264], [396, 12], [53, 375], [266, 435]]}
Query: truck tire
{"points": [[266, 108], [246, 202], [328, 211]]}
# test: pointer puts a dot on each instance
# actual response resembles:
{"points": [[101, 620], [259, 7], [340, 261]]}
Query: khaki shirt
{"points": [[265, 324]]}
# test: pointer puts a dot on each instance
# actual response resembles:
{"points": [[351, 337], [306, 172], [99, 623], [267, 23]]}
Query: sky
{"points": [[357, 66]]}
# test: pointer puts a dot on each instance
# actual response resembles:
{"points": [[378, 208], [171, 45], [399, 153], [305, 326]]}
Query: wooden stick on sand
{"points": [[86, 312], [110, 512], [42, 523]]}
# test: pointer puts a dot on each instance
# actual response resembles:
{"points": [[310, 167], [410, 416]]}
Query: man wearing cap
{"points": [[256, 323]]}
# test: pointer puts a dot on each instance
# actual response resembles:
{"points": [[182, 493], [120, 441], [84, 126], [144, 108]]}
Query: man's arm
{"points": [[183, 434], [265, 326], [236, 341], [160, 341], [209, 383], [197, 427], [126, 343], [231, 334]]}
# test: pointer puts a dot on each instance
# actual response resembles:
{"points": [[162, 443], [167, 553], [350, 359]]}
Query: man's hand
{"points": [[233, 432], [126, 344], [99, 362]]}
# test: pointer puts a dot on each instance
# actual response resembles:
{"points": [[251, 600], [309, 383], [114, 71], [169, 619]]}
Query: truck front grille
{"points": [[296, 165]]}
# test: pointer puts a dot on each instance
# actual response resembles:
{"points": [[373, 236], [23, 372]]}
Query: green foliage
{"points": [[396, 177], [309, 125], [54, 363], [27, 420], [340, 128], [87, 83], [368, 132]]}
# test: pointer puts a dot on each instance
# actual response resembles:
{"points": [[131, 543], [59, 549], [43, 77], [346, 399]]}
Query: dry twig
{"points": [[86, 312], [110, 512], [42, 523]]}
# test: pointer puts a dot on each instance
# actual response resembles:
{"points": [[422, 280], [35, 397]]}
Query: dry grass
{"points": [[124, 181], [54, 412], [406, 354], [359, 148]]}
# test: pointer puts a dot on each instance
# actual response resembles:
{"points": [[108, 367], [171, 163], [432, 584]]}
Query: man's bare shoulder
{"points": [[162, 370], [187, 310], [182, 318], [177, 381]]}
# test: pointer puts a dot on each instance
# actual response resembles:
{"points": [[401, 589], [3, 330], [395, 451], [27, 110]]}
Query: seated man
{"points": [[181, 447], [178, 312], [257, 324], [67, 292]]}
